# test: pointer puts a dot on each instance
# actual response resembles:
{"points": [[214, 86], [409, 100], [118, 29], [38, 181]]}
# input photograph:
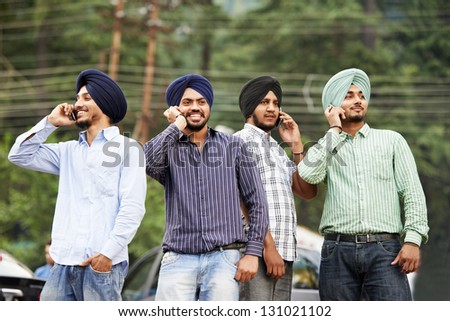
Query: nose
{"points": [[195, 106], [78, 103], [271, 106]]}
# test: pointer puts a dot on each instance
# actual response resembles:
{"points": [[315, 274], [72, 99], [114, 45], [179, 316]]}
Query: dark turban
{"points": [[337, 87], [106, 93], [200, 84], [254, 92]]}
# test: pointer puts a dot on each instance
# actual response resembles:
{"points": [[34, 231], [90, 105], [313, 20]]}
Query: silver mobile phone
{"points": [[278, 123]]}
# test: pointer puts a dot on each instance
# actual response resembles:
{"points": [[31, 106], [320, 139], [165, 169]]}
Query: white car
{"points": [[17, 281]]}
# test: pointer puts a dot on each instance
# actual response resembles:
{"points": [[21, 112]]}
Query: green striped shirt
{"points": [[368, 177]]}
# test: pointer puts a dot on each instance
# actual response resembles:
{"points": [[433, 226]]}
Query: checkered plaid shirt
{"points": [[276, 171]]}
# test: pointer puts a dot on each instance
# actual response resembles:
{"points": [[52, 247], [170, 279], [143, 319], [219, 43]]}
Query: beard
{"points": [[355, 118], [83, 124], [262, 126]]}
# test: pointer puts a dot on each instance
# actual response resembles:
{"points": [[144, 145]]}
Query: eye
{"points": [[264, 102]]}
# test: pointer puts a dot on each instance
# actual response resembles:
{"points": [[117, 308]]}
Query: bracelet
{"points": [[336, 126], [180, 114], [298, 153]]}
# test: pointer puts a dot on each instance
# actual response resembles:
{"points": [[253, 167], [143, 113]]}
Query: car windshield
{"points": [[142, 279]]}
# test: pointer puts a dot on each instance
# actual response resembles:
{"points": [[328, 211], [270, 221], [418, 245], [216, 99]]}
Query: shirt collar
{"points": [[257, 131], [185, 138], [108, 133], [364, 131]]}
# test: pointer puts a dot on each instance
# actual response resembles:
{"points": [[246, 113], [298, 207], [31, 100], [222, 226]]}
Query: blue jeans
{"points": [[204, 277], [350, 272], [82, 283]]}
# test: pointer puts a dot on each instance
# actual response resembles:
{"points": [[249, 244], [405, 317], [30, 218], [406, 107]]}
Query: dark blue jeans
{"points": [[351, 272]]}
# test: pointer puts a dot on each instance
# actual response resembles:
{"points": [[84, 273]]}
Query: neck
{"points": [[93, 130], [352, 128], [199, 137]]}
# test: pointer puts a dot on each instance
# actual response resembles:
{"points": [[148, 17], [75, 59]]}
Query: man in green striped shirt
{"points": [[369, 246]]}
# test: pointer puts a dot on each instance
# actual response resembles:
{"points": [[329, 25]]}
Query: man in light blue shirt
{"points": [[102, 188]]}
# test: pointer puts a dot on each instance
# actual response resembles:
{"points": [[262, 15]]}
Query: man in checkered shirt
{"points": [[260, 103]]}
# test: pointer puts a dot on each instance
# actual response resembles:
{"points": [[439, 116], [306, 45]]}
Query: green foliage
{"points": [[26, 208], [151, 230]]}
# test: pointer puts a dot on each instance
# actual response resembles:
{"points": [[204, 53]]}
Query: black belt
{"points": [[231, 246], [361, 238]]}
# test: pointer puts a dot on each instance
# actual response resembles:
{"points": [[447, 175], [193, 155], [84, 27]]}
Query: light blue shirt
{"points": [[101, 196]]}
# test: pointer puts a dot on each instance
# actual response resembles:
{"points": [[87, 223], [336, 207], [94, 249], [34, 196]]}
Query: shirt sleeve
{"points": [[313, 167], [29, 151], [254, 196], [156, 152], [410, 191], [132, 192]]}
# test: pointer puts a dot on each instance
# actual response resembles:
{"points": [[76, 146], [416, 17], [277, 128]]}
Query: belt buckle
{"points": [[361, 242]]}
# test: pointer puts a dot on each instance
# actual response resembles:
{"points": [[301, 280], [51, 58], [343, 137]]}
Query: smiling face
{"points": [[86, 109], [355, 105], [195, 108], [266, 113]]}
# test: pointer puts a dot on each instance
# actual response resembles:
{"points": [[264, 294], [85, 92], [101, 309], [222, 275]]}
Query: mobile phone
{"points": [[73, 116], [331, 106], [278, 122]]}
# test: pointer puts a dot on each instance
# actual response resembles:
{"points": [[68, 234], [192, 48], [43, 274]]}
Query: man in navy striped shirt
{"points": [[206, 174]]}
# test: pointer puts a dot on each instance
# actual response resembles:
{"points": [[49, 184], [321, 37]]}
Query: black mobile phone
{"points": [[278, 123], [73, 116]]}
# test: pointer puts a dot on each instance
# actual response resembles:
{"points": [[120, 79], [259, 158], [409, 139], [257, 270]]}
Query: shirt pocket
{"points": [[108, 181], [379, 164]]}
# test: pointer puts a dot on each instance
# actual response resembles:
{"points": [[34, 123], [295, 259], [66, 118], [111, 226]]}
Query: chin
{"points": [[83, 124]]}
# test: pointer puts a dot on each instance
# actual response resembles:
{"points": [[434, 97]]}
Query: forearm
{"points": [[313, 167], [29, 147], [156, 152]]}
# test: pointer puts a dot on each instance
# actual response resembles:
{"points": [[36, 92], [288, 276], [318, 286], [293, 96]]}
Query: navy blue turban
{"points": [[200, 84], [106, 93], [254, 92]]}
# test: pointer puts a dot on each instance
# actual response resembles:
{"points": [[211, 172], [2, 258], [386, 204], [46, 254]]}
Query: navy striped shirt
{"points": [[203, 191]]}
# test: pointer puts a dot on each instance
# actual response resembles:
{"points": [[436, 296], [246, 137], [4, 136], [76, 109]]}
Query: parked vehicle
{"points": [[17, 281], [142, 279]]}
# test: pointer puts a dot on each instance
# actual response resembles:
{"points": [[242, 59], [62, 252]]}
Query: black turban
{"points": [[254, 92], [106, 93], [200, 84]]}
